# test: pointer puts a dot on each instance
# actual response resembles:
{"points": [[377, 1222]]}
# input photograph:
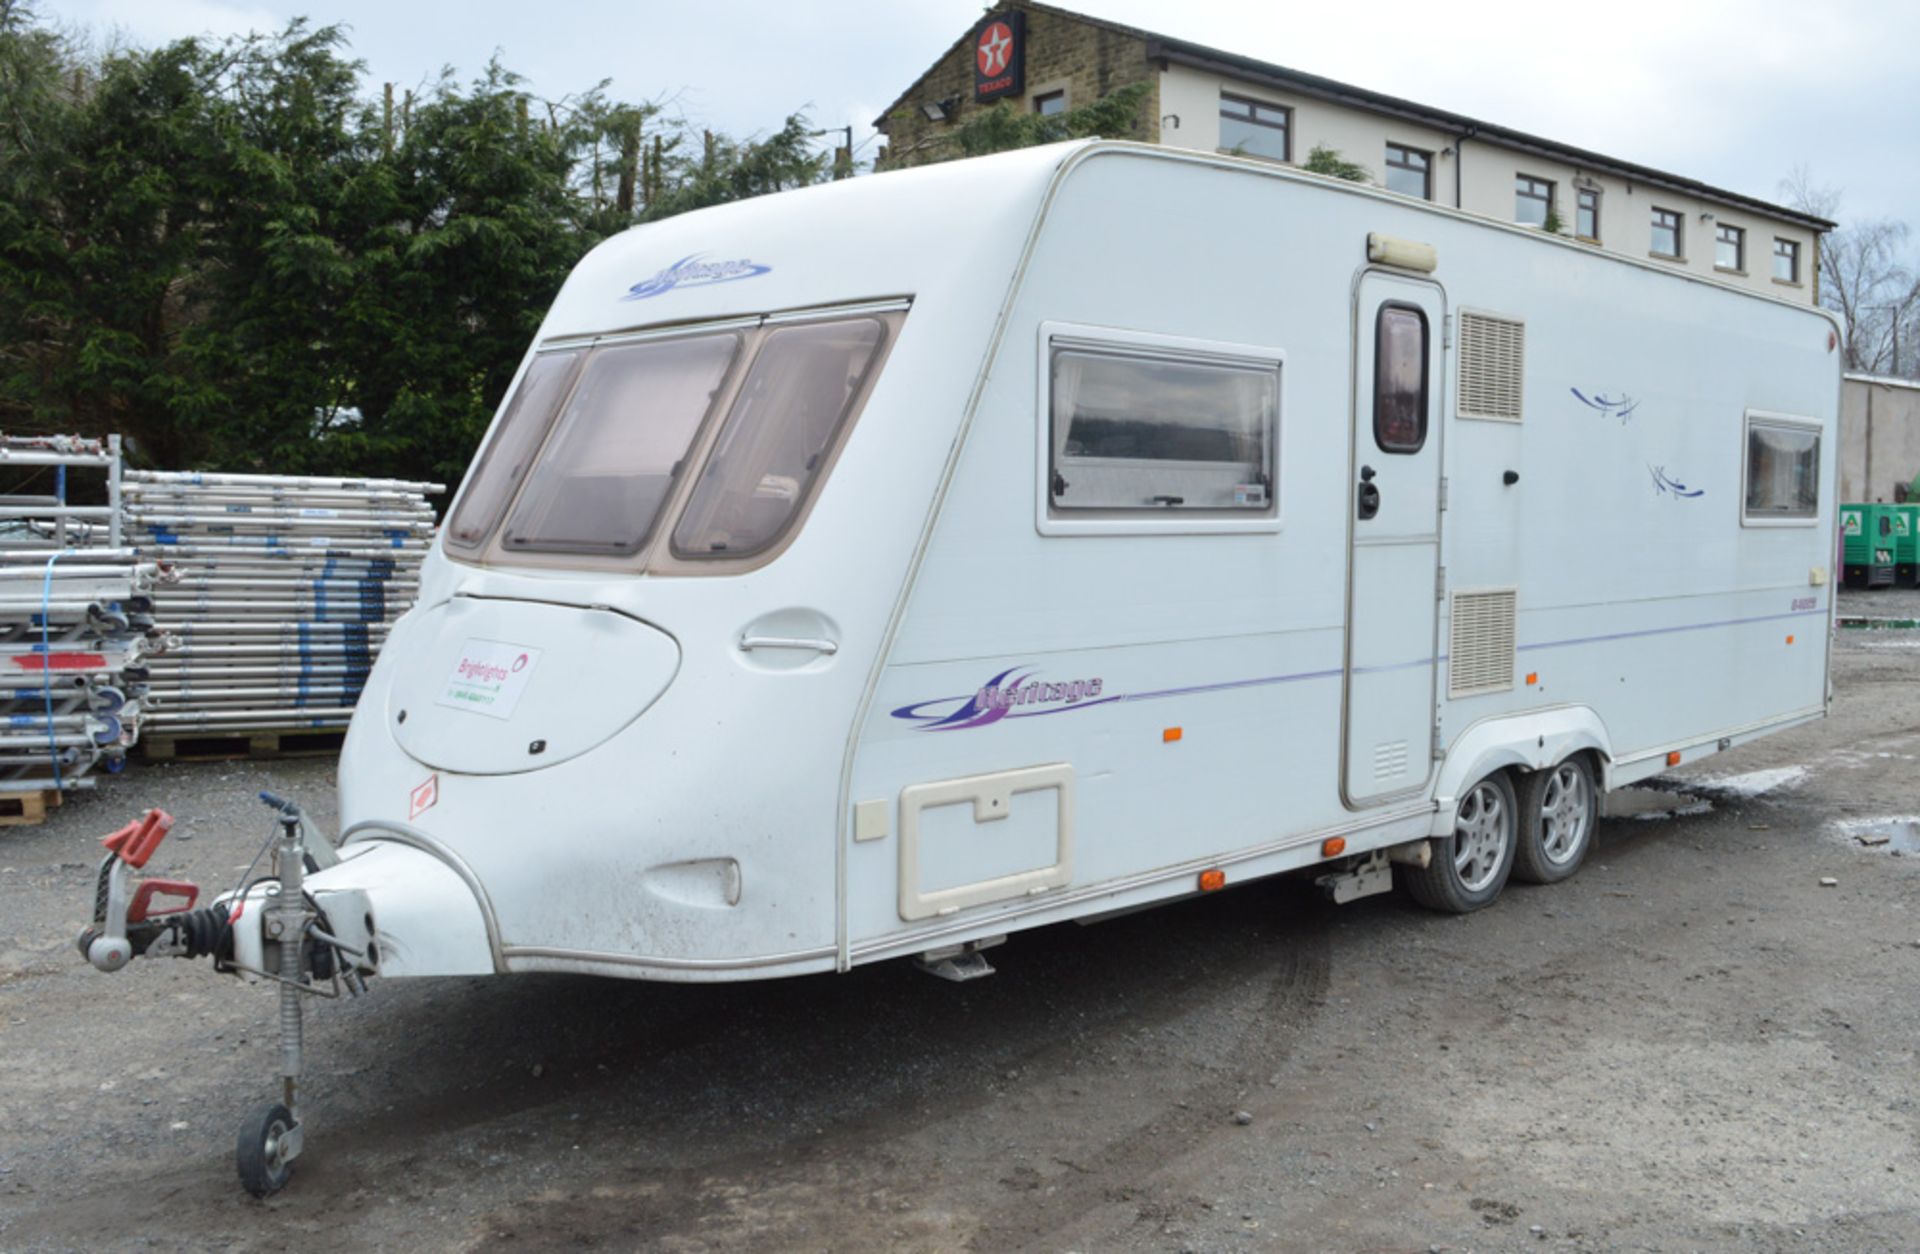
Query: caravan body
{"points": [[882, 568]]}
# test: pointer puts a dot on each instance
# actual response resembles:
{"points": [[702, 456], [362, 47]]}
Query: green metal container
{"points": [[1867, 544], [1906, 544]]}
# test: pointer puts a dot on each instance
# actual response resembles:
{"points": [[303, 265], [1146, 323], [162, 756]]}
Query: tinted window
{"points": [[777, 436], [1400, 379], [1135, 431], [1783, 470], [618, 447], [504, 465]]}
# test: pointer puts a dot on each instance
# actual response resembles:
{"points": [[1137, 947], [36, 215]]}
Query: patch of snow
{"points": [[1754, 783]]}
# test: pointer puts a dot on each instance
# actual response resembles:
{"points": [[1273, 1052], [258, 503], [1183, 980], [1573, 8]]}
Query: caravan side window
{"points": [[1163, 432], [1782, 470]]}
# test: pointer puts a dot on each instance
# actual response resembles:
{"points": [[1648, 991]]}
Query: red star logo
{"points": [[995, 49]]}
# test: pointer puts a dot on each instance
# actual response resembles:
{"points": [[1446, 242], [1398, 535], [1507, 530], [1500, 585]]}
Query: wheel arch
{"points": [[1527, 742]]}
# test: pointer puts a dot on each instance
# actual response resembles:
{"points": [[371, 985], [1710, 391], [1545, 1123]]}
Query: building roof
{"points": [[1882, 380], [1168, 50]]}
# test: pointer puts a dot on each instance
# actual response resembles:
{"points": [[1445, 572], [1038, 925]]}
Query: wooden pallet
{"points": [[213, 746], [23, 809]]}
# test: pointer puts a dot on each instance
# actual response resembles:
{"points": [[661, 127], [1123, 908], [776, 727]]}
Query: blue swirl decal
{"points": [[1621, 406], [1665, 484], [691, 271]]}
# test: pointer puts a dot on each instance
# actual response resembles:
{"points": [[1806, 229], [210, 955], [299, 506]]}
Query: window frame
{"points": [[655, 557], [1793, 252], [817, 474], [1792, 422], [1050, 92], [1284, 126], [1679, 252], [1739, 242], [1049, 521], [1548, 198], [1424, 170], [1426, 376], [1580, 194]]}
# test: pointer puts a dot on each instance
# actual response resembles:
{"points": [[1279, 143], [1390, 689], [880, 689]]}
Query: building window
{"points": [[1532, 200], [1049, 103], [1409, 171], [1586, 214], [1666, 233], [1147, 431], [1782, 471], [1255, 129], [1786, 261], [1730, 248]]}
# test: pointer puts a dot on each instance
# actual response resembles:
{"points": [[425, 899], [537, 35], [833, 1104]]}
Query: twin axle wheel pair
{"points": [[1540, 833]]}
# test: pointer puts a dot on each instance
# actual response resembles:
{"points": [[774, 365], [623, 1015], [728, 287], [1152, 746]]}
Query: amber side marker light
{"points": [[1789, 639], [1673, 759], [1212, 880], [1333, 846], [1169, 735], [1533, 677]]}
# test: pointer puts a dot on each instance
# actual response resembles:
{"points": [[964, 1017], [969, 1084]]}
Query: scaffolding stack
{"points": [[77, 631], [284, 590]]}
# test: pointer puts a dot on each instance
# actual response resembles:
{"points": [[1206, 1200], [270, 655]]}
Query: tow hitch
{"points": [[292, 940]]}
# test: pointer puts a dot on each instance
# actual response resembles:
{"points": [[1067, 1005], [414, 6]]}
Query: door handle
{"points": [[1367, 499]]}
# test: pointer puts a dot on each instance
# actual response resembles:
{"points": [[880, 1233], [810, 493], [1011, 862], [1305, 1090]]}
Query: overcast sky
{"points": [[1733, 92]]}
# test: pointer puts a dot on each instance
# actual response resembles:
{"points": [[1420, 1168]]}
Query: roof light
{"points": [[1404, 254]]}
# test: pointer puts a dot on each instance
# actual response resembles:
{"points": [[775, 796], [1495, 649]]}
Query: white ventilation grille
{"points": [[1493, 354], [1389, 761], [1480, 657]]}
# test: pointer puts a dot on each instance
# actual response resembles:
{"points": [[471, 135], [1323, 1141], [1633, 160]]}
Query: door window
{"points": [[1400, 378]]}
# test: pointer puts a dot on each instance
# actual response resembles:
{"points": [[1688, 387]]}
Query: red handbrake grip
{"points": [[142, 907], [136, 842]]}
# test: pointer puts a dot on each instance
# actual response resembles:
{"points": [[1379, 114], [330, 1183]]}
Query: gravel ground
{"points": [[1694, 1044]]}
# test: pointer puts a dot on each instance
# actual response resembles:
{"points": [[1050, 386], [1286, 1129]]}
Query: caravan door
{"points": [[1393, 554]]}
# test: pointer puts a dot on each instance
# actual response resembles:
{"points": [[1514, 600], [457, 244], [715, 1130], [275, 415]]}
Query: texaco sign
{"points": [[999, 56]]}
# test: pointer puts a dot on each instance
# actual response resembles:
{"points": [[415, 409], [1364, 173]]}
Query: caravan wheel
{"points": [[1470, 867], [1559, 808]]}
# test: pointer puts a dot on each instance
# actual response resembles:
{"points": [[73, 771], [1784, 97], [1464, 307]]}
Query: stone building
{"points": [[1045, 60]]}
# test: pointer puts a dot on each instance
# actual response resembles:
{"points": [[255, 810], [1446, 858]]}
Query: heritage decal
{"points": [[693, 271], [1013, 693]]}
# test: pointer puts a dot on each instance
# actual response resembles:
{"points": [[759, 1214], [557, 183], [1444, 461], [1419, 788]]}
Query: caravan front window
{"points": [[619, 446], [1150, 432], [535, 401], [777, 437]]}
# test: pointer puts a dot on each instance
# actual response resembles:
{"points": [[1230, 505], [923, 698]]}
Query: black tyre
{"points": [[1470, 867], [1559, 812], [264, 1167]]}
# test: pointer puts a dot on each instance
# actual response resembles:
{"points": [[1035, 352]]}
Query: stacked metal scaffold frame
{"points": [[77, 632], [285, 589]]}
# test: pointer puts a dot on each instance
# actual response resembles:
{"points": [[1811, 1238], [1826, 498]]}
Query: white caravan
{"points": [[879, 569]]}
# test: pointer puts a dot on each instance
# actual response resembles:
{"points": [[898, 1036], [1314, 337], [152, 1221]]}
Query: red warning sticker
{"points": [[422, 798]]}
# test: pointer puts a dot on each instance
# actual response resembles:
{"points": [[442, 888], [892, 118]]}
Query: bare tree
{"points": [[1865, 279]]}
